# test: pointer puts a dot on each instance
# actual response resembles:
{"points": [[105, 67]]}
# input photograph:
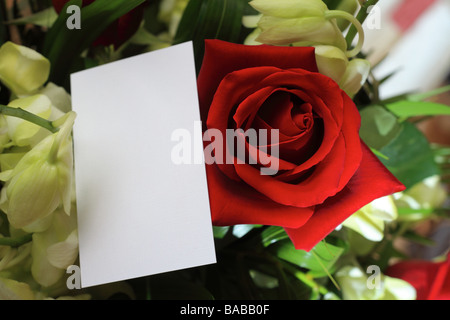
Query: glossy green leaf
{"points": [[409, 156], [63, 46], [408, 214], [378, 126], [320, 260], [429, 94], [406, 109], [272, 235], [210, 19], [220, 232]]}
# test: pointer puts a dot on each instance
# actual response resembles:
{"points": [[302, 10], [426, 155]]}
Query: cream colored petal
{"points": [[290, 8], [356, 75], [14, 290], [22, 69], [59, 98], [397, 289], [366, 225], [63, 254], [331, 61], [21, 131]]}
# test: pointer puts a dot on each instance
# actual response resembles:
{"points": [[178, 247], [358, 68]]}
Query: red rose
{"points": [[119, 31], [326, 173], [431, 280]]}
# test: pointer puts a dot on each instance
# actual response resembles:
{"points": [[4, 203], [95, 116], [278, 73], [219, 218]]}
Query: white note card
{"points": [[139, 212]]}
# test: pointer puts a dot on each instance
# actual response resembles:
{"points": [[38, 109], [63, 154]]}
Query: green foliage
{"points": [[210, 19], [320, 261], [410, 157], [406, 109], [378, 126], [63, 46]]}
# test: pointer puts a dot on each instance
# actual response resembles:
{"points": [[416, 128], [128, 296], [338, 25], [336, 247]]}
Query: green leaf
{"points": [[427, 95], [406, 109], [409, 156], [63, 46], [408, 214], [320, 260], [210, 19], [273, 234], [220, 232], [44, 18], [378, 126]]}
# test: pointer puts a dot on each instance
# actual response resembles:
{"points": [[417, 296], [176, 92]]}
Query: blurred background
{"points": [[415, 34], [411, 40]]}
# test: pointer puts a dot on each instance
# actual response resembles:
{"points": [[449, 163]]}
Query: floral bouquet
{"points": [[357, 207]]}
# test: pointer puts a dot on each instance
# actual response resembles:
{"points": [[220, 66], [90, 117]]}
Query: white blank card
{"points": [[139, 213]]}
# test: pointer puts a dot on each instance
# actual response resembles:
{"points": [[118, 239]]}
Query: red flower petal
{"points": [[431, 280], [222, 58], [235, 203], [371, 181]]}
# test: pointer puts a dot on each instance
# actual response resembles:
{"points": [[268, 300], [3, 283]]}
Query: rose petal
{"points": [[370, 182], [222, 58], [232, 90], [321, 184], [235, 203]]}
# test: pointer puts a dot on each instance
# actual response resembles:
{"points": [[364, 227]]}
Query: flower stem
{"points": [[326, 270], [28, 116], [361, 17], [15, 242], [332, 14]]}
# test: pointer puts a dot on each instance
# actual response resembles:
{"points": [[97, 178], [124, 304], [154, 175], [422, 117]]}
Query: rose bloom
{"points": [[430, 279], [326, 173], [119, 31]]}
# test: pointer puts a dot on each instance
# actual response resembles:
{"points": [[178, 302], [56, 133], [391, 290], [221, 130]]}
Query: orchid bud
{"points": [[369, 221], [22, 69], [297, 22], [41, 181], [331, 61], [355, 76], [357, 285], [21, 131], [59, 98]]}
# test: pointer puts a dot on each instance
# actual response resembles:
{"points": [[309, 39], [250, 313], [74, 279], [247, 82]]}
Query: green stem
{"points": [[361, 17], [338, 14], [326, 270], [16, 242], [28, 116]]}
